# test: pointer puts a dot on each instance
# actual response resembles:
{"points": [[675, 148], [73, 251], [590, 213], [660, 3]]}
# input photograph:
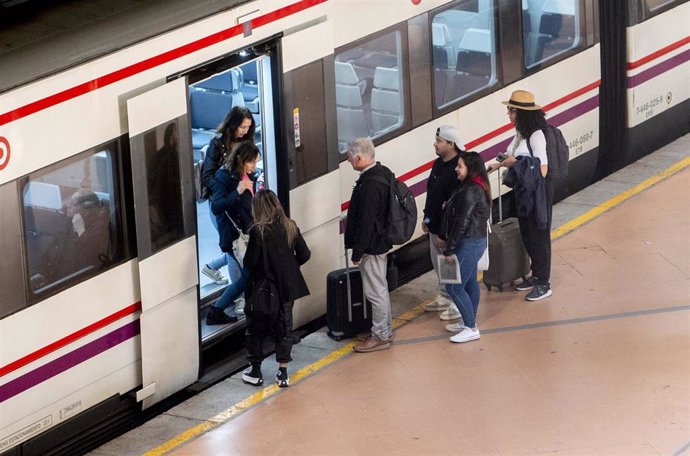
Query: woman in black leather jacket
{"points": [[464, 232]]}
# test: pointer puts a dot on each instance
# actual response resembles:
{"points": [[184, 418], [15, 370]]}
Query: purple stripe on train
{"points": [[658, 69], [68, 361]]}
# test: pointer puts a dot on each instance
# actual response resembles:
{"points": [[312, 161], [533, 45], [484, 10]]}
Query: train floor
{"points": [[599, 368]]}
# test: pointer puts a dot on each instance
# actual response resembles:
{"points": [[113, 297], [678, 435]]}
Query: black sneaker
{"points": [[217, 316], [540, 291], [282, 379], [252, 378], [527, 284]]}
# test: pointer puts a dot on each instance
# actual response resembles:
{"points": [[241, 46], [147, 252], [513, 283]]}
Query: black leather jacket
{"points": [[464, 216], [214, 158]]}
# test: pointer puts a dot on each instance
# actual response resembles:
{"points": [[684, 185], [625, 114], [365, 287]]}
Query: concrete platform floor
{"points": [[600, 368]]}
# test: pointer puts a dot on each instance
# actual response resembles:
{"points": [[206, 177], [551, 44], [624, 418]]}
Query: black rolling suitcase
{"points": [[347, 311], [508, 259]]}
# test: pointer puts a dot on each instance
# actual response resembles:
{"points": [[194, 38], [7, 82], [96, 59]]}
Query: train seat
{"points": [[385, 100], [345, 74], [473, 65], [443, 44], [557, 29], [42, 194], [352, 121], [208, 110]]}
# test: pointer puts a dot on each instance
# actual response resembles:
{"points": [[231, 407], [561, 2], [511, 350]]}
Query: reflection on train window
{"points": [[369, 89], [70, 221], [549, 29], [166, 221], [463, 55]]}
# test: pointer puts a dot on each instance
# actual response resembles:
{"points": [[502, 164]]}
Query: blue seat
{"points": [[207, 112]]}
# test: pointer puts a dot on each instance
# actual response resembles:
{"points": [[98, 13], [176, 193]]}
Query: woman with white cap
{"points": [[529, 141]]}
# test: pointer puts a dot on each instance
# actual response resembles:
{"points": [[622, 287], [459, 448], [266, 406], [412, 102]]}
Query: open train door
{"points": [[166, 241]]}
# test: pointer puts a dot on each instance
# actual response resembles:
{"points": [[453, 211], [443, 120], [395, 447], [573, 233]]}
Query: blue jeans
{"points": [[222, 260], [238, 282], [466, 294]]}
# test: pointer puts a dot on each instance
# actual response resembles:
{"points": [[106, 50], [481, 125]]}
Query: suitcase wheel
{"points": [[500, 288]]}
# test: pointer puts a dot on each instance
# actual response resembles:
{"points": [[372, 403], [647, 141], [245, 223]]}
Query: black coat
{"points": [[366, 216], [442, 181], [283, 261], [464, 216], [225, 199]]}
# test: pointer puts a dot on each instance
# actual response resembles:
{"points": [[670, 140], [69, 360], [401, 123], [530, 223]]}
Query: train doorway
{"points": [[246, 80]]}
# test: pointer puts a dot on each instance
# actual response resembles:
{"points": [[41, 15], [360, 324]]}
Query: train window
{"points": [[369, 89], [71, 220], [464, 50], [658, 6], [549, 29]]}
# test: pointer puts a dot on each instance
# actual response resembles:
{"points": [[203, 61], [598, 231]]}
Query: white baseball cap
{"points": [[450, 133]]}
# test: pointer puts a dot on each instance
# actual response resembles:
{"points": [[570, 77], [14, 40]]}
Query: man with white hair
{"points": [[364, 235], [442, 181]]}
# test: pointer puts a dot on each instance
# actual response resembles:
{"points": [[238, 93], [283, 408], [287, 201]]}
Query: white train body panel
{"points": [[660, 51]]}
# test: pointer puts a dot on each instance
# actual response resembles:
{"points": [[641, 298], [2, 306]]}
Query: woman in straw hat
{"points": [[528, 119]]}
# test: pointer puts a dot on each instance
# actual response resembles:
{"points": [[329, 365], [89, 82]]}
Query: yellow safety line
{"points": [[401, 320]]}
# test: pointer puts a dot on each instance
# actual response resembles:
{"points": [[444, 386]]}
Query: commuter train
{"points": [[101, 314]]}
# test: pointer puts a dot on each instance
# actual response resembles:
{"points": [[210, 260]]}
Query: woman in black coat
{"points": [[275, 238], [231, 204]]}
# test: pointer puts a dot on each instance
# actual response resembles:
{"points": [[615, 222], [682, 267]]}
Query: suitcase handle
{"points": [[349, 290]]}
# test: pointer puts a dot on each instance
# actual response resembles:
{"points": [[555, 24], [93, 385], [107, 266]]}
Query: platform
{"points": [[599, 368]]}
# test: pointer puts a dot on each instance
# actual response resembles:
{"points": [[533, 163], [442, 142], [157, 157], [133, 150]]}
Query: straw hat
{"points": [[522, 99]]}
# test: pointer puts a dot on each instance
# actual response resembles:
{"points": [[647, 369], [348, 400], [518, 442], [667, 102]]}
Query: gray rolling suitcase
{"points": [[508, 259]]}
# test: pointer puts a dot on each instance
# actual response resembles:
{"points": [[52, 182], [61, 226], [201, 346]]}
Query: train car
{"points": [[103, 239]]}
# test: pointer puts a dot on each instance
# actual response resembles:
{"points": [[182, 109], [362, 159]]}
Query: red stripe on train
{"points": [[150, 63], [659, 53]]}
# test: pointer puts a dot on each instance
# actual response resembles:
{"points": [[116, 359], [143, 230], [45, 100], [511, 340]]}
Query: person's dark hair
{"points": [[267, 210], [232, 122], [527, 122], [476, 172], [242, 153]]}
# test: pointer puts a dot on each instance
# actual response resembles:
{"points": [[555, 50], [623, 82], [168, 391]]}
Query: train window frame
{"points": [[496, 76], [650, 12], [581, 34], [386, 82], [111, 207]]}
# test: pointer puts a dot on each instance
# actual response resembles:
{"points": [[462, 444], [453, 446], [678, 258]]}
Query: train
{"points": [[98, 327]]}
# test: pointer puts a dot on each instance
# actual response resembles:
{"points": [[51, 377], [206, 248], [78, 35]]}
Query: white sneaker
{"points": [[239, 306], [441, 303], [214, 274], [451, 314], [455, 327], [465, 335]]}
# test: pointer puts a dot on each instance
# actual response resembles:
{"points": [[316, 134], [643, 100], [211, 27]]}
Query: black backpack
{"points": [[402, 211], [556, 151]]}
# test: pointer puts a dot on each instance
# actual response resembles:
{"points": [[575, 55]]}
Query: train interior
{"points": [[247, 85]]}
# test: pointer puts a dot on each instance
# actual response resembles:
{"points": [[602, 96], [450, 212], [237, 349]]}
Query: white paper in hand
{"points": [[448, 272]]}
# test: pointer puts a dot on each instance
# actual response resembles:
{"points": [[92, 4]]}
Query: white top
{"points": [[538, 143]]}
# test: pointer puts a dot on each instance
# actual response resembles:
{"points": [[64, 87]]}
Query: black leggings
{"points": [[278, 326], [538, 241]]}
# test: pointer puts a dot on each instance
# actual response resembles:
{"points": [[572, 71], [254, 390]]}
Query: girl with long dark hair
{"points": [[529, 120], [465, 217], [231, 205]]}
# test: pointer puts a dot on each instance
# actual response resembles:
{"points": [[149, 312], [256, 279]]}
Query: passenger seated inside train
{"points": [[83, 244]]}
